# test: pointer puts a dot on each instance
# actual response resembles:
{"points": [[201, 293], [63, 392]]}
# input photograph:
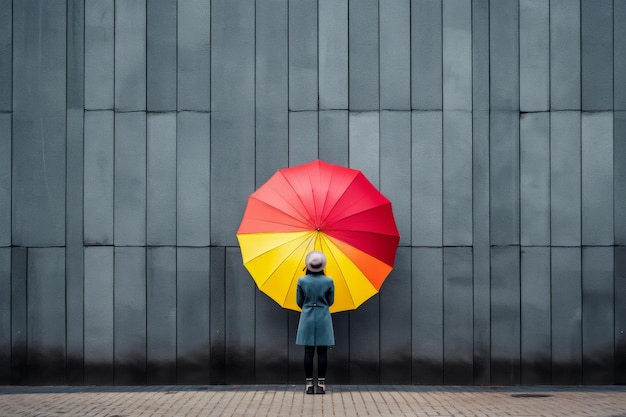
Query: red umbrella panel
{"points": [[325, 207]]}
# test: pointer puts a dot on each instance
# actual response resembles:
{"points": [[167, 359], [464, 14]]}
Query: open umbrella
{"points": [[325, 207]]}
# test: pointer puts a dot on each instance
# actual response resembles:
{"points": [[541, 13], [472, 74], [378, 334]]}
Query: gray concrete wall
{"points": [[132, 132]]}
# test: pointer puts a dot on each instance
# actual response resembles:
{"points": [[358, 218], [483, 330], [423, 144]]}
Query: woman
{"points": [[316, 293]]}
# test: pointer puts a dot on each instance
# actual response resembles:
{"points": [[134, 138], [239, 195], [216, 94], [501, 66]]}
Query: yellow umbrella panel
{"points": [[276, 261]]}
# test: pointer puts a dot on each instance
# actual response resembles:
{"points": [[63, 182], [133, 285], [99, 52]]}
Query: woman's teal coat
{"points": [[316, 293]]}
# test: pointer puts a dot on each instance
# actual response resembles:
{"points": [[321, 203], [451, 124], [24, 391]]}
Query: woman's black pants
{"points": [[322, 361]]}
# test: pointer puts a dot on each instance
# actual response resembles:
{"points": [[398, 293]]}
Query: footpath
{"points": [[290, 401]]}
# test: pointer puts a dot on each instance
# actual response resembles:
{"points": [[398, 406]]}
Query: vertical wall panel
{"points": [[457, 178], [232, 115], [217, 315], [458, 334], [395, 167], [5, 179], [5, 316], [620, 315], [363, 47], [535, 316], [505, 315], [565, 187], [271, 340], [504, 176], [239, 308], [619, 176], [597, 54], [333, 54], [598, 311], [99, 316], [161, 179], [566, 316], [74, 230], [130, 55], [129, 225], [504, 54], [426, 55], [480, 190], [364, 145], [6, 54], [480, 55], [99, 54], [333, 136], [129, 315], [340, 368], [565, 54], [597, 179], [364, 343], [161, 315], [339, 361], [302, 137], [457, 55], [534, 27], [99, 144], [193, 187], [481, 248], [19, 320], [427, 315], [161, 55], [395, 55], [194, 55], [271, 83], [619, 55], [427, 181], [395, 329], [193, 306], [535, 179], [39, 123], [303, 77], [46, 315], [273, 123]]}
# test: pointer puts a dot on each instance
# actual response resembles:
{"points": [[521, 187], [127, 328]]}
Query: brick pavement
{"points": [[289, 400]]}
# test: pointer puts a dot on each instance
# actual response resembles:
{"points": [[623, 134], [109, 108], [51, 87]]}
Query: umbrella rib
{"points": [[330, 252], [302, 219], [305, 242]]}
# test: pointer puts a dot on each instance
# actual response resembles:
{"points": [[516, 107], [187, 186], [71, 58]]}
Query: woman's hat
{"points": [[315, 261]]}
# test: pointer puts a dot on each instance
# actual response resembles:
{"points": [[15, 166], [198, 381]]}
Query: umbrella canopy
{"points": [[325, 207]]}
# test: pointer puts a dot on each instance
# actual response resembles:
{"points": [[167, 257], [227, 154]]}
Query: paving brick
{"points": [[290, 400]]}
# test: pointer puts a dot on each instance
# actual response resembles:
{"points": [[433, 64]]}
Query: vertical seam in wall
{"points": [[12, 93], [254, 358], [82, 201], [176, 113], [114, 162], [380, 350], [488, 359], [11, 228], [613, 188], [288, 81], [66, 188], [519, 188], [410, 239], [441, 176], [318, 78], [146, 248], [580, 184], [349, 110], [550, 182], [471, 11]]}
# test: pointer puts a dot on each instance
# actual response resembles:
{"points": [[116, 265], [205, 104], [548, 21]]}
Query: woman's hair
{"points": [[308, 272]]}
